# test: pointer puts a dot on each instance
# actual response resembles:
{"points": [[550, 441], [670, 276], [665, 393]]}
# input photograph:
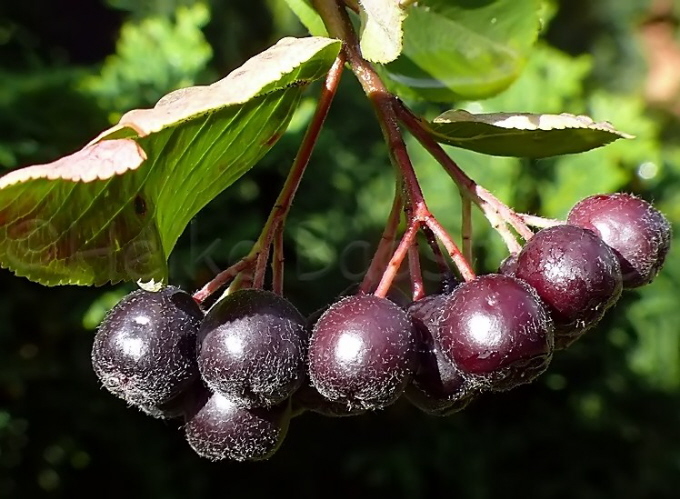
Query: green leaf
{"points": [[523, 135], [308, 17], [114, 210], [463, 49], [381, 31]]}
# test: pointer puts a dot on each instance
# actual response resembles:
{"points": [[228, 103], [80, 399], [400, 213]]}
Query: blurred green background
{"points": [[603, 422]]}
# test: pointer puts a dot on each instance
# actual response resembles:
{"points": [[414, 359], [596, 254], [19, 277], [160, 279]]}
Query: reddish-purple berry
{"points": [[638, 233], [496, 331], [576, 275], [362, 352]]}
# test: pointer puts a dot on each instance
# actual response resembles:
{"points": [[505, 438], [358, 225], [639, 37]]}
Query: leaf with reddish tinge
{"points": [[114, 210]]}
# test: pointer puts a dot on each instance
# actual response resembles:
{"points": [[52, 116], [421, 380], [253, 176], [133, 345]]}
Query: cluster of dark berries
{"points": [[609, 243], [239, 372], [229, 373]]}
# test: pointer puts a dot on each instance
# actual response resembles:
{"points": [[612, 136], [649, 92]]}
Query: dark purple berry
{"points": [[394, 295], [638, 233], [496, 331], [508, 266], [223, 429], [252, 347], [173, 408], [437, 387], [145, 349], [427, 309], [576, 275], [362, 352]]}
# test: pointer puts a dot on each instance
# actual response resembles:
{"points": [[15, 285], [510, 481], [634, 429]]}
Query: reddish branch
{"points": [[417, 285], [278, 260], [224, 277], [386, 244], [436, 251], [466, 225], [272, 232], [395, 262], [338, 25], [390, 112], [498, 213]]}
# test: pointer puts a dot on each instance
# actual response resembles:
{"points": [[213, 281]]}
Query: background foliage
{"points": [[603, 422]]}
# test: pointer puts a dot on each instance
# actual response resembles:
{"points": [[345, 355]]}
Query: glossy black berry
{"points": [[496, 331], [222, 429], [437, 387], [252, 347], [144, 350], [394, 295], [362, 352], [638, 233]]}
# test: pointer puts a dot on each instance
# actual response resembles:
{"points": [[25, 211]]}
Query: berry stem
{"points": [[539, 222], [339, 25], [259, 254], [393, 266], [436, 251], [466, 226], [330, 88], [224, 277], [264, 243], [383, 103], [497, 212], [244, 279], [284, 201], [277, 262], [507, 214], [459, 260], [386, 245], [417, 286]]}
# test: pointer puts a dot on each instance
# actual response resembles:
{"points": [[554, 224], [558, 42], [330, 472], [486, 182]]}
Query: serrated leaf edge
{"points": [[530, 121]]}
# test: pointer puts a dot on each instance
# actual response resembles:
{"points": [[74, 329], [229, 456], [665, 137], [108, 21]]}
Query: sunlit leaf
{"points": [[381, 33], [462, 49], [114, 210], [523, 135]]}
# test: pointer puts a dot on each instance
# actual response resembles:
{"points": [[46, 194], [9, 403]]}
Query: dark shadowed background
{"points": [[603, 422]]}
